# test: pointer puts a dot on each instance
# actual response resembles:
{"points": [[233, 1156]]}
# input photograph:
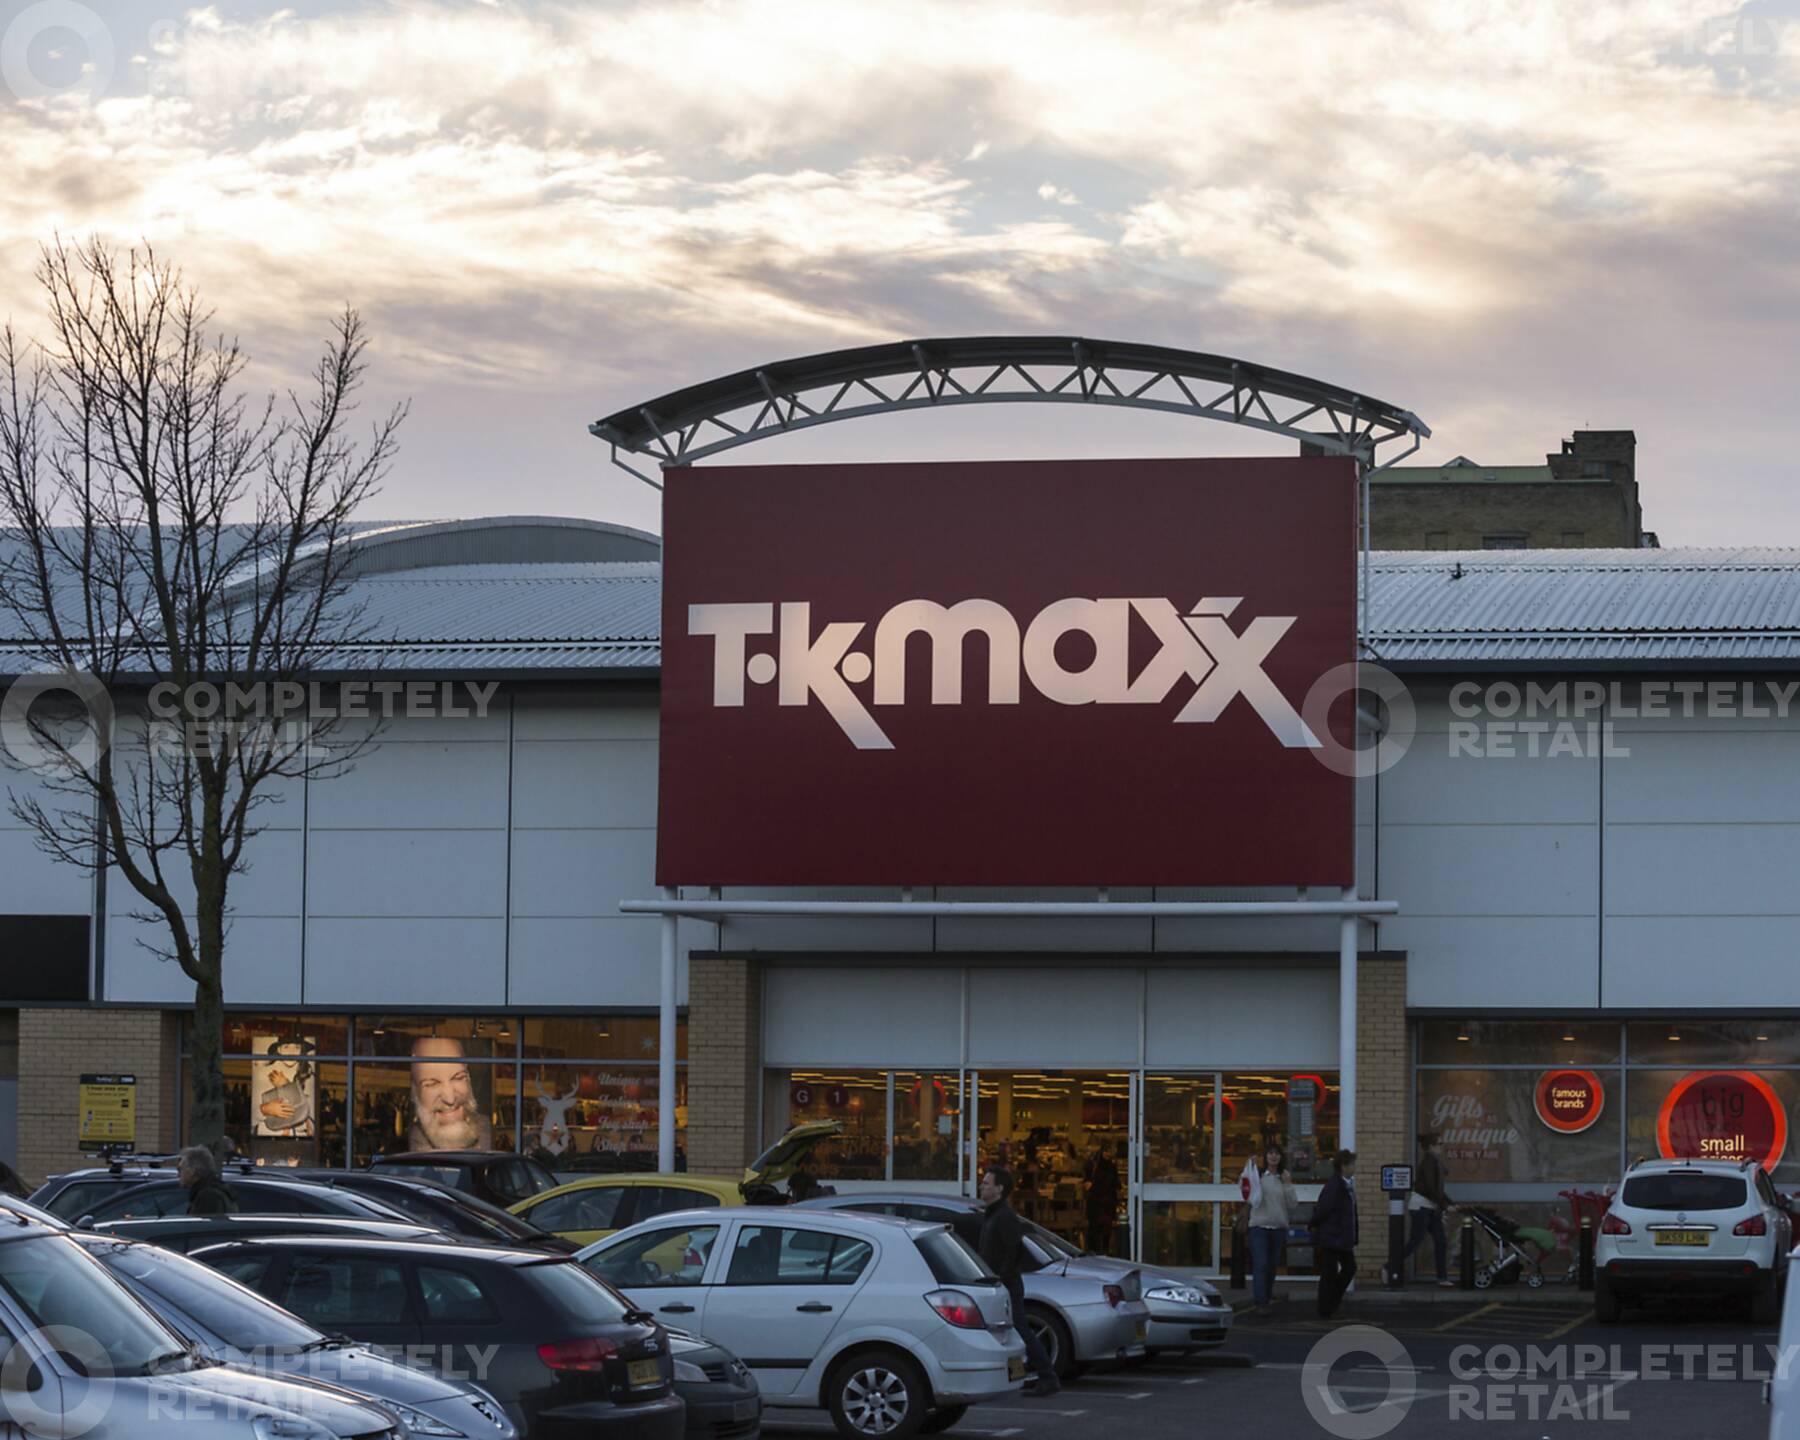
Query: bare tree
{"points": [[178, 554]]}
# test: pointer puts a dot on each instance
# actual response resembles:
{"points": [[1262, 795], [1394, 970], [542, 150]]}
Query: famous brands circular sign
{"points": [[1722, 1115], [1569, 1101]]}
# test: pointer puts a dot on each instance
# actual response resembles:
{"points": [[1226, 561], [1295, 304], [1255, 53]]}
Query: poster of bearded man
{"points": [[447, 1114]]}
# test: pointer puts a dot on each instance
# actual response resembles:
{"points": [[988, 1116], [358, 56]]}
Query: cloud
{"points": [[1447, 204]]}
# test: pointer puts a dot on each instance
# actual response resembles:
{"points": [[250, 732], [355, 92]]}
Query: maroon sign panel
{"points": [[1045, 673]]}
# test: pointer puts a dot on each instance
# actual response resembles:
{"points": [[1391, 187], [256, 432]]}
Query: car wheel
{"points": [[1765, 1303], [1054, 1336], [1606, 1303], [879, 1392], [942, 1419]]}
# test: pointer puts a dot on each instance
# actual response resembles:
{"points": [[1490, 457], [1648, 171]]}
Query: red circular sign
{"points": [[1569, 1101], [1722, 1115]]}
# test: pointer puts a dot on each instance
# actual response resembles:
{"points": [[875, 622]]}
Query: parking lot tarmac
{"points": [[1380, 1367]]}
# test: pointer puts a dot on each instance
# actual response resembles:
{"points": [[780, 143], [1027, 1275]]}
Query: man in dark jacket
{"points": [[1334, 1235], [199, 1173], [1003, 1248]]}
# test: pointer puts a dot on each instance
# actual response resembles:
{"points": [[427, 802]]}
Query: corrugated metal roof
{"points": [[581, 602], [1513, 608], [1574, 606]]}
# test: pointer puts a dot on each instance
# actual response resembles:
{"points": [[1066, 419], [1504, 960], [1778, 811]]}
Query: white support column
{"points": [[1347, 1027], [665, 1054]]}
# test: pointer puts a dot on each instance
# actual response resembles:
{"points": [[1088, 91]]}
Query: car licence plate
{"points": [[1680, 1237], [640, 1373], [1143, 1329], [1015, 1367]]}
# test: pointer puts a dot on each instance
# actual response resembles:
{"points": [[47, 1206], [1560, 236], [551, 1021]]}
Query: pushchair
{"points": [[1519, 1250]]}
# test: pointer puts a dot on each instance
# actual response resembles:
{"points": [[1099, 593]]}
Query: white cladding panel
{"points": [[1224, 1016], [864, 1015], [1494, 858], [1050, 1015], [1702, 840], [410, 961]]}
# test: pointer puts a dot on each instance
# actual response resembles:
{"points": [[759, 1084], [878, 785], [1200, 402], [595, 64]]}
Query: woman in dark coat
{"points": [[1334, 1236]]}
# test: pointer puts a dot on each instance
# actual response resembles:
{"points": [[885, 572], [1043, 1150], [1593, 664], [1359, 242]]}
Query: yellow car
{"points": [[587, 1210]]}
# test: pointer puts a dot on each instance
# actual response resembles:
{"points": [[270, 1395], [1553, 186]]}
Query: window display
{"points": [[335, 1089]]}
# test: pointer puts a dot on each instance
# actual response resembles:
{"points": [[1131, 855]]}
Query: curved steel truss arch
{"points": [[705, 419]]}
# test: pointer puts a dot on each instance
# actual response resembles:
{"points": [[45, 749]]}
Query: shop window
{"points": [[628, 1038], [599, 1119], [1178, 1129], [1713, 1112], [473, 1037], [1518, 1042], [1295, 1112], [927, 1113], [250, 1034], [1492, 1126], [857, 1099], [1713, 1042]]}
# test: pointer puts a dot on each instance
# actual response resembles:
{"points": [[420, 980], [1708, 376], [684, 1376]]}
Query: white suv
{"points": [[1693, 1227], [894, 1326]]}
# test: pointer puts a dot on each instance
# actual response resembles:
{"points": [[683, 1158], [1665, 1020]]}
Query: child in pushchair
{"points": [[1519, 1250]]}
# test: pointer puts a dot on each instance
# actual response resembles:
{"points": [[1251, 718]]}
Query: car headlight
{"points": [[687, 1370], [288, 1427], [1176, 1295], [418, 1422]]}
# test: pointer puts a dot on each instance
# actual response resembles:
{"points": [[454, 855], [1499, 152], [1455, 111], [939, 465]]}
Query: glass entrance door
{"points": [[1066, 1136]]}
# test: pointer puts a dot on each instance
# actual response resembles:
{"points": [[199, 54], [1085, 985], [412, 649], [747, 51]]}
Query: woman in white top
{"points": [[1270, 1215]]}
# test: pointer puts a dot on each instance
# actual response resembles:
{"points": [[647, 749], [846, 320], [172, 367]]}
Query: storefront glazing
{"points": [[579, 1092]]}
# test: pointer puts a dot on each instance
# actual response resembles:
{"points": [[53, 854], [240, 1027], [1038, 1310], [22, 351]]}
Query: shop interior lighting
{"points": [[1674, 1034]]}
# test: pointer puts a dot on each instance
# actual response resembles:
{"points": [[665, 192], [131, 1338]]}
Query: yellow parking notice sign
{"points": [[109, 1112]]}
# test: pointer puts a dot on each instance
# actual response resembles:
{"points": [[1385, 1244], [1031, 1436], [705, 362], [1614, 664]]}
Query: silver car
{"points": [[236, 1326], [1084, 1308], [88, 1359]]}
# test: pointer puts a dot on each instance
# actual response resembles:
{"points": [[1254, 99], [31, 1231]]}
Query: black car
{"points": [[565, 1354], [183, 1233], [497, 1176], [430, 1202], [75, 1192], [252, 1194]]}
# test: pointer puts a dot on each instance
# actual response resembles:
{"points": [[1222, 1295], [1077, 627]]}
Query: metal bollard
{"points": [[1584, 1255], [1239, 1243], [1466, 1265]]}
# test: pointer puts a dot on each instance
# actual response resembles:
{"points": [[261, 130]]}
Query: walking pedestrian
{"points": [[1428, 1204], [1269, 1213], [1334, 1233], [198, 1172], [1002, 1245]]}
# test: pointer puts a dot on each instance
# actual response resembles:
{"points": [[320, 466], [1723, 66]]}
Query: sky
{"points": [[1514, 219]]}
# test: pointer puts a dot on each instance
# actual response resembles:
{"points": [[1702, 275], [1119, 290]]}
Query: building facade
{"points": [[1587, 835], [1584, 497]]}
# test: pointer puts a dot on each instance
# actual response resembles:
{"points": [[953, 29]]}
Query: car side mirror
{"points": [[86, 1222]]}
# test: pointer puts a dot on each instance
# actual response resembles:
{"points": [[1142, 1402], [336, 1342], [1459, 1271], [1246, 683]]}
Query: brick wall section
{"points": [[58, 1047], [724, 1063], [1382, 1081]]}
